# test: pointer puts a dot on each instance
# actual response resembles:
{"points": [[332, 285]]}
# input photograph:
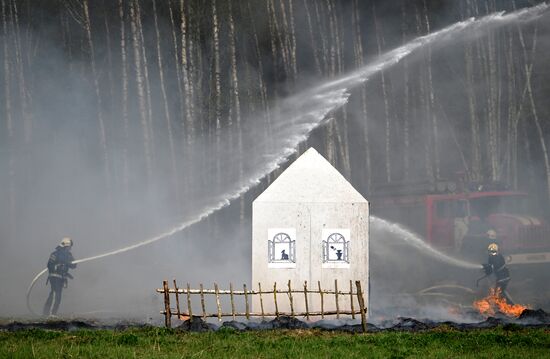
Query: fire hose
{"points": [[480, 279]]}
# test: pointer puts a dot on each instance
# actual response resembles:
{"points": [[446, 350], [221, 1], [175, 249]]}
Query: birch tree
{"points": [[167, 113], [99, 106], [533, 107], [430, 102], [9, 122], [140, 85], [124, 97], [359, 62], [387, 144]]}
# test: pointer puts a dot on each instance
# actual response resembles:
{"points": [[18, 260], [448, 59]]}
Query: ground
{"points": [[154, 342]]}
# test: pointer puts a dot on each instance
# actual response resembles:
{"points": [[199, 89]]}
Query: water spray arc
{"points": [[298, 115], [417, 242]]}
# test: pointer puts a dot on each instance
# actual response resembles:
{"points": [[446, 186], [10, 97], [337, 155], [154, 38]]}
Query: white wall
{"points": [[309, 220]]}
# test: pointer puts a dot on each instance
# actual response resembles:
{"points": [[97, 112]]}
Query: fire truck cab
{"points": [[456, 221]]}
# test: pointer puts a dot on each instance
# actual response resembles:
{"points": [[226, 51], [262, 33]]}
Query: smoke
{"points": [[65, 193]]}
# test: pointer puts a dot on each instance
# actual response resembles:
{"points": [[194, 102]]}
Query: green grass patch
{"points": [[153, 342]]}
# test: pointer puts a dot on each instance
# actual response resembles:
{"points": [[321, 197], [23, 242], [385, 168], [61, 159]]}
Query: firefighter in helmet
{"points": [[497, 265], [61, 260]]}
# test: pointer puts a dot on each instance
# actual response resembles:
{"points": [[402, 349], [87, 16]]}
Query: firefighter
{"points": [[497, 265], [61, 260]]}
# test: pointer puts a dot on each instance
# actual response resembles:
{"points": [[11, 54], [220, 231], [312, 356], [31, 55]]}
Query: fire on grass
{"points": [[495, 303]]}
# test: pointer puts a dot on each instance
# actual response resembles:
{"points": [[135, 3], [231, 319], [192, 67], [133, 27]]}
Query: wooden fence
{"points": [[274, 295]]}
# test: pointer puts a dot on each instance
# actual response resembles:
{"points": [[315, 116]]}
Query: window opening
{"points": [[336, 249], [282, 249]]}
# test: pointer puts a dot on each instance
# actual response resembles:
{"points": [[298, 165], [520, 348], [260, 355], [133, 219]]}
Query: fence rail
{"points": [[265, 297]]}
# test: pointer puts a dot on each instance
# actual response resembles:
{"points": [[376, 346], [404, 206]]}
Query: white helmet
{"points": [[66, 242]]}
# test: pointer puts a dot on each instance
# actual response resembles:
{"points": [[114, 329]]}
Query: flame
{"points": [[494, 302]]}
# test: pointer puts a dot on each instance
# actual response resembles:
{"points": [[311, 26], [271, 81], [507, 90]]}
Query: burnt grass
{"points": [[283, 337], [528, 319]]}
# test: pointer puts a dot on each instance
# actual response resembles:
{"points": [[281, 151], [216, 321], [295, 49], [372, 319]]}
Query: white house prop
{"points": [[310, 225]]}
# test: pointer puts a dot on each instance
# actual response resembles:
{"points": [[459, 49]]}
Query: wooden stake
{"points": [[275, 299], [361, 306], [177, 299], [261, 299], [322, 300], [202, 302], [336, 298], [167, 314], [232, 301], [305, 296], [247, 309], [351, 299], [189, 303], [290, 298], [218, 301]]}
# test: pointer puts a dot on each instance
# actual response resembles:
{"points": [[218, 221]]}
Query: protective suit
{"points": [[497, 265], [58, 272]]}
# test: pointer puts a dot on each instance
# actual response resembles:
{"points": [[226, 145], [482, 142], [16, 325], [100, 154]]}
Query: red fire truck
{"points": [[449, 216]]}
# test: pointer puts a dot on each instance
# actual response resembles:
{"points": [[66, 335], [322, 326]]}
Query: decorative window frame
{"points": [[331, 236], [278, 238]]}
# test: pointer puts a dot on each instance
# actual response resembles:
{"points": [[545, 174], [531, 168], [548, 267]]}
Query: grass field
{"points": [[511, 341]]}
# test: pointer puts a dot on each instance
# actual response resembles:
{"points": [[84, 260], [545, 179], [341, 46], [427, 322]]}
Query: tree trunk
{"points": [[330, 144], [278, 37], [142, 101], [492, 109], [430, 103], [217, 89], [168, 117], [312, 39], [287, 42], [517, 115], [293, 61], [475, 173], [9, 126], [181, 96], [321, 30], [99, 106], [111, 100], [511, 130], [406, 98], [19, 63], [235, 109], [342, 125], [147, 83], [534, 111], [387, 153], [359, 62], [124, 102], [188, 119], [262, 86], [194, 72]]}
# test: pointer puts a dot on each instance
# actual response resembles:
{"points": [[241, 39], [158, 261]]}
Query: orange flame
{"points": [[495, 303]]}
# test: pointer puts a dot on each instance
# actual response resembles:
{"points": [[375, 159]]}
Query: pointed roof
{"points": [[311, 178]]}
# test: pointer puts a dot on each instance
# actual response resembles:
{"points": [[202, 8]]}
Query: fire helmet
{"points": [[493, 249], [491, 234], [66, 242]]}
